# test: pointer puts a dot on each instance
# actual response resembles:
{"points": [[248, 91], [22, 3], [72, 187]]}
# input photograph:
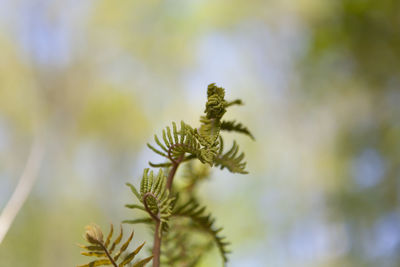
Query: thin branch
{"points": [[157, 236], [157, 245], [170, 157], [23, 188], [171, 174], [108, 254]]}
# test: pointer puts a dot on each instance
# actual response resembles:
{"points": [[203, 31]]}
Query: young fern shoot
{"points": [[174, 212]]}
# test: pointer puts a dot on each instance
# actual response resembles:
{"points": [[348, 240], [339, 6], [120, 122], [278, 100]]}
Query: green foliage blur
{"points": [[321, 86]]}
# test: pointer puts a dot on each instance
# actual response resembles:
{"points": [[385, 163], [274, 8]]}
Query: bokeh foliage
{"points": [[321, 84]]}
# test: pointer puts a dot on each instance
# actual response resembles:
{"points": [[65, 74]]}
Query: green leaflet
{"points": [[100, 248], [236, 127], [99, 254], [91, 248], [123, 247], [137, 221], [142, 262], [134, 206], [96, 263], [117, 240], [130, 256], [230, 160], [234, 102], [109, 236]]}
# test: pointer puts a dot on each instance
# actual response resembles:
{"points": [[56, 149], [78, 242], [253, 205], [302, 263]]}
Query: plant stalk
{"points": [[157, 245], [108, 255], [157, 236], [171, 174]]}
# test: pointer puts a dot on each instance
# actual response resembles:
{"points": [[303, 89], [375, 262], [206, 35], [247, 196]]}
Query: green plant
{"points": [[181, 226]]}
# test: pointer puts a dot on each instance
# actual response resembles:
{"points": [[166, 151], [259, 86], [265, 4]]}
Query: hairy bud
{"points": [[93, 234]]}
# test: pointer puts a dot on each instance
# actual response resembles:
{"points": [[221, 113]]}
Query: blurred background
{"points": [[94, 80]]}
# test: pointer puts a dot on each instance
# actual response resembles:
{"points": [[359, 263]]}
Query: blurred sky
{"points": [[96, 79]]}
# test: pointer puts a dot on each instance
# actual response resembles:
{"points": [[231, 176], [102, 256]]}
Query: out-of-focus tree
{"points": [[354, 64]]}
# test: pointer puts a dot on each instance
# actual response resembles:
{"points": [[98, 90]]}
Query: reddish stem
{"points": [[108, 255], [157, 236], [157, 245], [171, 175]]}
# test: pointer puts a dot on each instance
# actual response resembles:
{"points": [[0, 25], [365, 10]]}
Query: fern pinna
{"points": [[181, 226], [103, 250]]}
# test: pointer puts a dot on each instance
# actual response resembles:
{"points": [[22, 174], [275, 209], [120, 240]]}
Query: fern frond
{"points": [[210, 126], [191, 209], [154, 196], [236, 127], [208, 132], [181, 226], [216, 104], [101, 249], [201, 143], [229, 160], [176, 143]]}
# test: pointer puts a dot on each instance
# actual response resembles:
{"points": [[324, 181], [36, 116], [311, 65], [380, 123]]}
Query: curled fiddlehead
{"points": [[154, 197]]}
